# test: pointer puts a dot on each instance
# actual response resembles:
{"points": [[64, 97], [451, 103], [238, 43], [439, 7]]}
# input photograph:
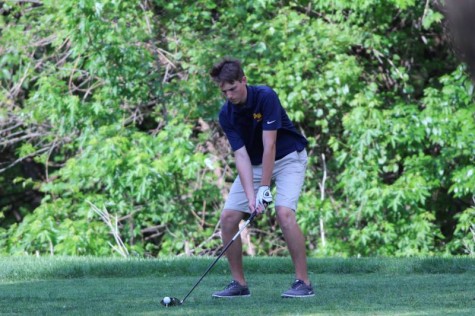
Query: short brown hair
{"points": [[227, 71]]}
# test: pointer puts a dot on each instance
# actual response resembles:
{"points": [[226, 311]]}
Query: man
{"points": [[267, 147]]}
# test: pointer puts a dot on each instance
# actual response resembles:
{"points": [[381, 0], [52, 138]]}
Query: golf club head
{"points": [[173, 302]]}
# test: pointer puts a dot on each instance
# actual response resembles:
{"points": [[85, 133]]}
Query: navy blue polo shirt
{"points": [[243, 124]]}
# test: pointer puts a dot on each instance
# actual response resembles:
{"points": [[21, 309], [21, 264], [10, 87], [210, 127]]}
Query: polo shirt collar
{"points": [[248, 105]]}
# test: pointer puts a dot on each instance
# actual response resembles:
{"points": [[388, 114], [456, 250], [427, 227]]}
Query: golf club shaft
{"points": [[221, 254]]}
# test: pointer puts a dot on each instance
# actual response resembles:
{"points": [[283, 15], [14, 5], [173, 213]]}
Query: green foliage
{"points": [[407, 162], [138, 177], [119, 94], [95, 101]]}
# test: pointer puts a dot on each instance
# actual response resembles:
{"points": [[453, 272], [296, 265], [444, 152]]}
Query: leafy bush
{"points": [[113, 101]]}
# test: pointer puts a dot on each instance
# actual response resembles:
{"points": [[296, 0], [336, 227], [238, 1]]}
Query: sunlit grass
{"points": [[105, 286]]}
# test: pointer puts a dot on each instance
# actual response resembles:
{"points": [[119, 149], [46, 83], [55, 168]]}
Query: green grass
{"points": [[105, 286]]}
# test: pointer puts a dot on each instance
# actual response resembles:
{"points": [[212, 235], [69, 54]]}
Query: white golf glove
{"points": [[263, 197]]}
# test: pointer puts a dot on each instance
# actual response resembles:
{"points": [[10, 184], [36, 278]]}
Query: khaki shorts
{"points": [[288, 177]]}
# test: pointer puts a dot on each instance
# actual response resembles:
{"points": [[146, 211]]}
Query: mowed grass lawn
{"points": [[112, 286]]}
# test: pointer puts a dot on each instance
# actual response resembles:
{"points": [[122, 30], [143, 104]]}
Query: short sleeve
{"points": [[271, 111], [234, 139]]}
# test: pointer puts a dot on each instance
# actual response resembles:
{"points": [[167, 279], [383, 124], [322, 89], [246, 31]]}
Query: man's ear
{"points": [[244, 80]]}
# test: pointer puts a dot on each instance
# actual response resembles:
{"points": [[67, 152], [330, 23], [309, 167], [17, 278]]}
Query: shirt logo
{"points": [[270, 122], [257, 116]]}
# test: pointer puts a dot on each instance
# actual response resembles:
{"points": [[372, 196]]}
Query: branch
{"points": [[4, 131], [47, 159], [45, 41], [149, 28], [311, 13], [17, 87], [42, 150], [19, 139], [106, 218], [425, 10], [322, 198], [28, 1], [377, 54]]}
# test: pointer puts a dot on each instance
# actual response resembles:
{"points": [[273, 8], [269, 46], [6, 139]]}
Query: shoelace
{"points": [[297, 284]]}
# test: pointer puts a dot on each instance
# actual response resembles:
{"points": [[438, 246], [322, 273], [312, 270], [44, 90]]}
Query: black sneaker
{"points": [[234, 289], [299, 289]]}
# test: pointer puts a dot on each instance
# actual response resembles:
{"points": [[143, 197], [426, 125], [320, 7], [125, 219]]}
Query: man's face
{"points": [[235, 92]]}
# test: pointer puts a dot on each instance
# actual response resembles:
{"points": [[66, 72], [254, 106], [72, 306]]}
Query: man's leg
{"points": [[295, 241], [229, 227]]}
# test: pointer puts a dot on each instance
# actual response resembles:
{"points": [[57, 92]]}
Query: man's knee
{"points": [[230, 220], [286, 217]]}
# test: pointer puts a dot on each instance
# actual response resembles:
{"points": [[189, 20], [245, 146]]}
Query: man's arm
{"points": [[268, 158], [264, 196], [244, 168]]}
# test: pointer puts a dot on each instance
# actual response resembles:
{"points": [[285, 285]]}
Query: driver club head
{"points": [[173, 301]]}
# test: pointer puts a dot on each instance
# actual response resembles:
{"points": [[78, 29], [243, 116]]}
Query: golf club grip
{"points": [[221, 254]]}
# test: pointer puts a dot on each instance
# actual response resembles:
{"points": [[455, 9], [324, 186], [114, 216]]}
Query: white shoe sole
{"points": [[297, 296], [233, 296]]}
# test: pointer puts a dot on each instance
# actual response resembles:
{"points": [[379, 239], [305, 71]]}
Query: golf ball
{"points": [[166, 300]]}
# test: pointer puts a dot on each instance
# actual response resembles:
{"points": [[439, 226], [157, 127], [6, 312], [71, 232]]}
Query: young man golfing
{"points": [[268, 149]]}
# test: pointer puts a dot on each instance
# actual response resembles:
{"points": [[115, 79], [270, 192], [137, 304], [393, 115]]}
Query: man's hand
{"points": [[263, 198]]}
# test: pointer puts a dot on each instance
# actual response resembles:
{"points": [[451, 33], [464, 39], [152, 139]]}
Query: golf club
{"points": [[173, 301]]}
